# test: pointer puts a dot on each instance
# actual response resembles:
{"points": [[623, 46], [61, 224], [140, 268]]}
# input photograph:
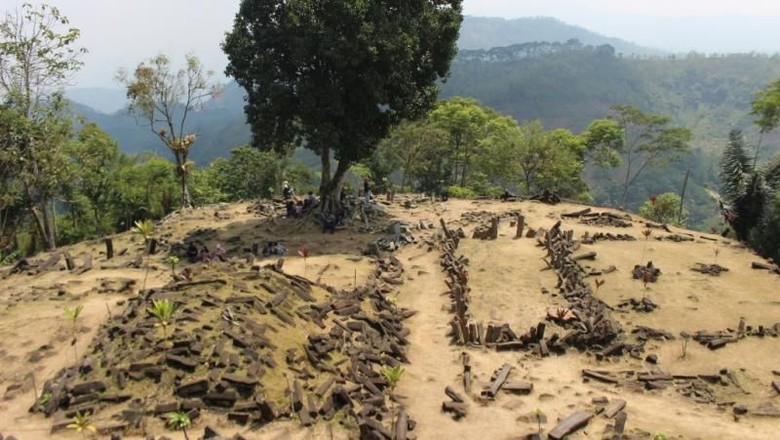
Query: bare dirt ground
{"points": [[508, 285]]}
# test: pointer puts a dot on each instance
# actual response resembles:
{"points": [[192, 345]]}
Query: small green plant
{"points": [[392, 376], [659, 435], [82, 423], [162, 310], [45, 398], [180, 420], [73, 314], [173, 260], [539, 415], [144, 228]]}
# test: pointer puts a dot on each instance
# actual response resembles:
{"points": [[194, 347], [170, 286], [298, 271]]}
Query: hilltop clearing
{"points": [[525, 331]]}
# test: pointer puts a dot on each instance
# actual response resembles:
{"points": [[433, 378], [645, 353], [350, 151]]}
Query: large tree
{"points": [[164, 99], [37, 55], [648, 141], [337, 75]]}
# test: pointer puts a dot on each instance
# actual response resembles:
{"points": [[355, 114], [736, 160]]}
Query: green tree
{"points": [[648, 142], [603, 141], [248, 173], [164, 99], [95, 157], [37, 55], [466, 121], [664, 208], [406, 145], [550, 160], [338, 75]]}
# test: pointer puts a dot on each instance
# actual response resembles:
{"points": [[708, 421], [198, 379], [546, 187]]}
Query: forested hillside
{"points": [[489, 32]]}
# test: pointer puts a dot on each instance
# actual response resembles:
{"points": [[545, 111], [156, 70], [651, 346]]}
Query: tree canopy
{"points": [[164, 99], [337, 75]]}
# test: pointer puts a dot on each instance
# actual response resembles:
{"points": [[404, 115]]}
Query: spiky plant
{"points": [[180, 420], [81, 423], [144, 228], [73, 314], [162, 310]]}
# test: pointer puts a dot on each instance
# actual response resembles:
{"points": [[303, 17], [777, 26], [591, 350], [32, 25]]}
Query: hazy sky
{"points": [[120, 33]]}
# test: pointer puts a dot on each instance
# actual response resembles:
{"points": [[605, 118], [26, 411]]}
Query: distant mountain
{"points": [[485, 33], [101, 99]]}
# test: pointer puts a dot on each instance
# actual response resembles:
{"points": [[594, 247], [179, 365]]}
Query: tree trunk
{"points": [[626, 184], [330, 186], [181, 160]]}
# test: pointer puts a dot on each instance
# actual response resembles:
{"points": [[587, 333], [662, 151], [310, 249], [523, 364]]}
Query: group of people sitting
{"points": [[295, 206], [194, 255], [274, 248]]}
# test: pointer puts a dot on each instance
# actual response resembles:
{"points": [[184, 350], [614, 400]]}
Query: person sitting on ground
{"points": [[192, 253], [205, 256], [287, 191], [329, 225], [298, 209], [274, 248], [309, 202], [219, 252], [280, 249], [290, 205], [506, 195]]}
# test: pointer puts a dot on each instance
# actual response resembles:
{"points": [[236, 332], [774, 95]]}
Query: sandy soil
{"points": [[508, 286]]}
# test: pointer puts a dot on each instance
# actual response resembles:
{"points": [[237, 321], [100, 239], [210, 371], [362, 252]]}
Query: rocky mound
{"points": [[256, 345]]}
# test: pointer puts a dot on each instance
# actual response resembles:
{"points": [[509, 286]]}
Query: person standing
{"points": [[367, 189]]}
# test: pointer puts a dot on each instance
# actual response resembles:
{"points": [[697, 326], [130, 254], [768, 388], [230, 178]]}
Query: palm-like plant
{"points": [[162, 310], [180, 420], [73, 314], [144, 228], [82, 423], [392, 376]]}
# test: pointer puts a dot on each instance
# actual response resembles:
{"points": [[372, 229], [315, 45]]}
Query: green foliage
{"points": [[37, 53], [162, 310], [172, 260], [648, 142], [744, 190], [73, 313], [144, 228], [664, 208], [179, 420], [660, 435], [766, 107], [459, 192], [81, 423], [395, 61], [165, 98], [45, 398], [392, 375], [248, 174]]}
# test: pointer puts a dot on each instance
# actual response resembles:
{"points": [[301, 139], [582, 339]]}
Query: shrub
{"points": [[664, 208], [459, 192]]}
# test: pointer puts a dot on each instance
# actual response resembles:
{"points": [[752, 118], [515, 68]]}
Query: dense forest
{"points": [[587, 121]]}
